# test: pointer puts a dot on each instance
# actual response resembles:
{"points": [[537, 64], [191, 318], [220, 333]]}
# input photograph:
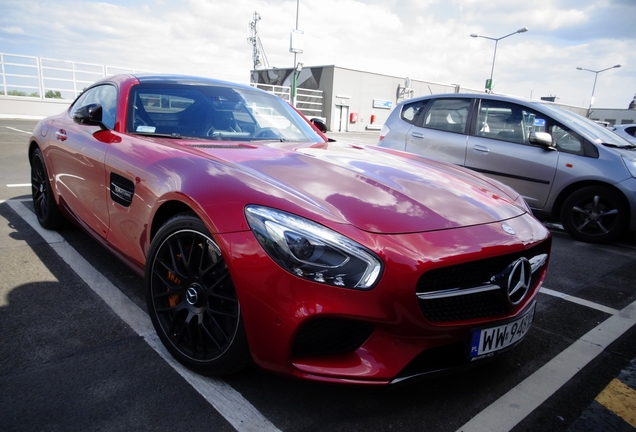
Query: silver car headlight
{"points": [[630, 163], [312, 251]]}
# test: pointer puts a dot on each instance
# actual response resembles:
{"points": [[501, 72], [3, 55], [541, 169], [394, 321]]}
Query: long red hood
{"points": [[374, 189]]}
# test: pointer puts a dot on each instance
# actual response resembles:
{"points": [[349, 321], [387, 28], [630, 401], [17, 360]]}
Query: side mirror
{"points": [[90, 114], [543, 139], [321, 125]]}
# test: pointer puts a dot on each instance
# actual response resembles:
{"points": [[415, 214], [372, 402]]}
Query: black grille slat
{"points": [[470, 275], [471, 306]]}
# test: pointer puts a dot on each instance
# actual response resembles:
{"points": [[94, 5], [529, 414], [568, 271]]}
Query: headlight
{"points": [[312, 251], [630, 163]]}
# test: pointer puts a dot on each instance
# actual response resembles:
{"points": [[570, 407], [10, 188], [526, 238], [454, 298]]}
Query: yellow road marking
{"points": [[620, 399]]}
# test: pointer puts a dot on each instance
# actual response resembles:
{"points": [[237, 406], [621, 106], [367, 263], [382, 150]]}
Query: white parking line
{"points": [[580, 301], [242, 415], [19, 185], [18, 130], [503, 415], [507, 411]]}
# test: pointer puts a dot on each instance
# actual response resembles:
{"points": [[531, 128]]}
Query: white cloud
{"points": [[12, 30], [422, 39]]}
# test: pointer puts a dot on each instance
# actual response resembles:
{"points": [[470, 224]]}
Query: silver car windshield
{"points": [[600, 134]]}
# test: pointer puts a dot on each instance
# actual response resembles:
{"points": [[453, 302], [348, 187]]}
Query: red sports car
{"points": [[261, 241]]}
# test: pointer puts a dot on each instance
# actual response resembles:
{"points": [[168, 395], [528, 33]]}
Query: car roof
{"points": [[146, 78], [185, 80], [529, 102]]}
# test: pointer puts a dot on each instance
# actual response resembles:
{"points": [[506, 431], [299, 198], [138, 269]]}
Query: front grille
{"points": [[470, 306], [327, 336], [466, 277]]}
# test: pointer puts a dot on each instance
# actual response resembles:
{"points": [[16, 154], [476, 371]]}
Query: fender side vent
{"points": [[122, 190]]}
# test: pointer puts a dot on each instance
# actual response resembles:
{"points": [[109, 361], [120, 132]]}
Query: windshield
{"points": [[215, 113], [596, 132]]}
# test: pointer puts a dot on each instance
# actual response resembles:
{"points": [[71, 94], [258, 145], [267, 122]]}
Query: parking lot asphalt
{"points": [[77, 353]]}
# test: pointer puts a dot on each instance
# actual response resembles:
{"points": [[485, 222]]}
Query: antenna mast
{"points": [[255, 41]]}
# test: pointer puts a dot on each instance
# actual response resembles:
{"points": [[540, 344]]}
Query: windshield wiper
{"points": [[628, 146], [160, 135]]}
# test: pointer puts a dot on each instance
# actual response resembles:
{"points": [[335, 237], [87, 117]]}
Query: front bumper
{"points": [[324, 333]]}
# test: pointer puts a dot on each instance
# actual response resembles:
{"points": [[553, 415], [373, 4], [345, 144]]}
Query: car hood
{"points": [[374, 189]]}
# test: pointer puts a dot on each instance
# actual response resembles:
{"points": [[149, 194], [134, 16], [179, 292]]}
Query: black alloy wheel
{"points": [[595, 214], [46, 209], [192, 301]]}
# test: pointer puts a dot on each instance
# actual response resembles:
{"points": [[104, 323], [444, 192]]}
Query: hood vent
{"points": [[222, 146]]}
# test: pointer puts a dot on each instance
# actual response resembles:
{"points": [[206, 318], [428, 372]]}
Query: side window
{"points": [[566, 139], [83, 100], [631, 130], [508, 122], [106, 96], [448, 115], [410, 111]]}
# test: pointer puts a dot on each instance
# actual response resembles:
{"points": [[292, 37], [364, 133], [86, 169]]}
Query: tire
{"points": [[191, 299], [46, 209], [595, 214]]}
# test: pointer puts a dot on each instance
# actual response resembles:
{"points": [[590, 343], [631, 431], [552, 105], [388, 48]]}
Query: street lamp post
{"points": [[295, 49], [490, 83], [589, 110]]}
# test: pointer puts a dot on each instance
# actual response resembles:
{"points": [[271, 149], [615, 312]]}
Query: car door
{"points": [[440, 132], [499, 148], [133, 166], [78, 152]]}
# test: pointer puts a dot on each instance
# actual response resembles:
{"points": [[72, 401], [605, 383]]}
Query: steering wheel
{"points": [[266, 132]]}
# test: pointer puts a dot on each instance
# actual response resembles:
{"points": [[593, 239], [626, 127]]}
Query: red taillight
{"points": [[384, 132]]}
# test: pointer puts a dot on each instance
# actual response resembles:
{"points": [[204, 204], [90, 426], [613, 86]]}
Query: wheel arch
{"points": [[166, 211], [563, 195], [32, 146]]}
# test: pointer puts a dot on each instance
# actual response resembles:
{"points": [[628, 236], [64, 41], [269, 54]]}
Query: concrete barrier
{"points": [[17, 107]]}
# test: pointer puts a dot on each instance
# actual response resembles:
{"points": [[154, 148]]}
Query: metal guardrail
{"points": [[308, 101], [45, 78], [39, 77]]}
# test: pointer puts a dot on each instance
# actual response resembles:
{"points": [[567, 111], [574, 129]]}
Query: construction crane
{"points": [[255, 41]]}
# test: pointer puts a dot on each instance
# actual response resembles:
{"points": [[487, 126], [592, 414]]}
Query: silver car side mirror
{"points": [[543, 139]]}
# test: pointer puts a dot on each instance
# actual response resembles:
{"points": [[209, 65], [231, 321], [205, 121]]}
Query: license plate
{"points": [[487, 342]]}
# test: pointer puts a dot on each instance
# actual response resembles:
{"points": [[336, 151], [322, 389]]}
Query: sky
{"points": [[425, 40]]}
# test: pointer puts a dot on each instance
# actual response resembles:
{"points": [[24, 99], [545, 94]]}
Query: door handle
{"points": [[481, 149], [417, 135], [61, 135]]}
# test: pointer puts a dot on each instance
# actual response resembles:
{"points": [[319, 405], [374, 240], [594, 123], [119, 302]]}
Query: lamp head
{"points": [[522, 30], [474, 35]]}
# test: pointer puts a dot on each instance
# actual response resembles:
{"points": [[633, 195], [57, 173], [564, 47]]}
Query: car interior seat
{"points": [[513, 128], [140, 116]]}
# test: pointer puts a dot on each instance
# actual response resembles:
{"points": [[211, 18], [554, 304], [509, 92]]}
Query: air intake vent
{"points": [[122, 190], [328, 336]]}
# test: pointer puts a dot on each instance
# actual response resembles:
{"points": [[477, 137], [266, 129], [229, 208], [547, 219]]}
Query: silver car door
{"points": [[442, 134], [500, 149]]}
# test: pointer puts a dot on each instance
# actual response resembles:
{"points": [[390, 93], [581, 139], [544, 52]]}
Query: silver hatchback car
{"points": [[564, 165]]}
